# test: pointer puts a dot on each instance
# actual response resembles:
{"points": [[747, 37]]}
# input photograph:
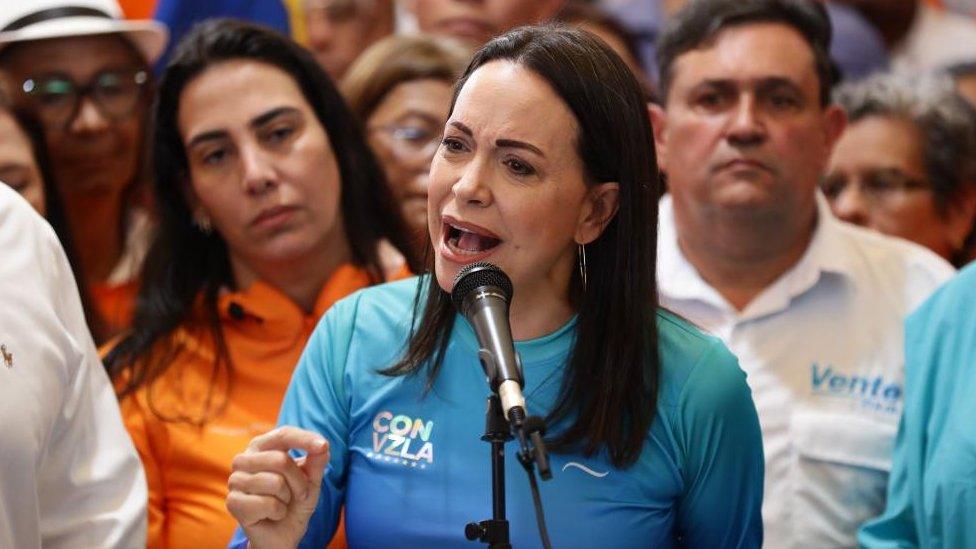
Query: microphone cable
{"points": [[540, 516], [536, 426]]}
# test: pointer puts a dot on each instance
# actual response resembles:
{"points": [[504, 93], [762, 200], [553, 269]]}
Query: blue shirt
{"points": [[411, 469], [932, 489]]}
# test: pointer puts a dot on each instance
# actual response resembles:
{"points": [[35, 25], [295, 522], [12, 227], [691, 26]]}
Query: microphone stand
{"points": [[495, 532]]}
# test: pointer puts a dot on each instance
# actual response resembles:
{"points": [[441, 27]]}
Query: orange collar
{"points": [[265, 308]]}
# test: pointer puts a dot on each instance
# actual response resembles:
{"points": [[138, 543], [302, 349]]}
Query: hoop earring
{"points": [[582, 264], [202, 222]]}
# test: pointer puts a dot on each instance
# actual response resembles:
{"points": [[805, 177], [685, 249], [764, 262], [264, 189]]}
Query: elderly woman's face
{"points": [[405, 130], [94, 137], [507, 184], [18, 166], [876, 178]]}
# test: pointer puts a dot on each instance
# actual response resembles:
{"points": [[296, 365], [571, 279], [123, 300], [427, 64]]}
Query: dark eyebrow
{"points": [[464, 129], [774, 82], [766, 83], [502, 143], [718, 83], [513, 144], [424, 116], [263, 119], [214, 135], [255, 123]]}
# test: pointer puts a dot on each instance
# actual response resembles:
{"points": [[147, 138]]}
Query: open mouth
{"points": [[466, 241]]}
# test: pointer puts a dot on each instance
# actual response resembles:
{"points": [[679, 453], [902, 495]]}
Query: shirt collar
{"points": [[265, 306], [678, 279], [532, 351]]}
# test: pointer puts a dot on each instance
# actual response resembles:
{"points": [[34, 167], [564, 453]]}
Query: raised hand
{"points": [[271, 494]]}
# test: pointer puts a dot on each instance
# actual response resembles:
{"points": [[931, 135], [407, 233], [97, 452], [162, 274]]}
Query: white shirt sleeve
{"points": [[89, 489]]}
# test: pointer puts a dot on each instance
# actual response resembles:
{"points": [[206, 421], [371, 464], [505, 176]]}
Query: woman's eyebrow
{"points": [[501, 143], [515, 144]]}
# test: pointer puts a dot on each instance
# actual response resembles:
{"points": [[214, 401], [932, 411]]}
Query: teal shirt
{"points": [[411, 469], [932, 488]]}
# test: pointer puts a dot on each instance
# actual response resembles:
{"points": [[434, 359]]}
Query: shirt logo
{"points": [[8, 357], [875, 393], [585, 469], [402, 440]]}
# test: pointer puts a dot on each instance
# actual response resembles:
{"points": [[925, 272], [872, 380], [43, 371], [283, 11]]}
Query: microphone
{"points": [[481, 294]]}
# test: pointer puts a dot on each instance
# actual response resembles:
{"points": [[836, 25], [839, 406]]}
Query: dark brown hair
{"points": [[609, 390], [700, 21]]}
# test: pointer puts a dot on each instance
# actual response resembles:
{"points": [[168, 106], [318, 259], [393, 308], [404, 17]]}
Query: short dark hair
{"points": [[609, 389], [701, 20]]}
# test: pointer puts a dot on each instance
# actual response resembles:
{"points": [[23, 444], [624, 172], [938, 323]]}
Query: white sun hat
{"points": [[27, 20]]}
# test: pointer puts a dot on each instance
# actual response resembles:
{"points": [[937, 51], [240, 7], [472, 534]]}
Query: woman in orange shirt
{"points": [[271, 208]]}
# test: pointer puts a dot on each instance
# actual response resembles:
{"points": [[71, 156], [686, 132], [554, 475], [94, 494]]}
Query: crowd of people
{"points": [[740, 240]]}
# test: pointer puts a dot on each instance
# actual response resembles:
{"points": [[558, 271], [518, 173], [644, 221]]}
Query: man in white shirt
{"points": [[748, 249], [69, 474]]}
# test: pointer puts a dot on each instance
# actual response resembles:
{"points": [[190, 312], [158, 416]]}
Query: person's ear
{"points": [[601, 205], [961, 216], [659, 122], [835, 122], [198, 213]]}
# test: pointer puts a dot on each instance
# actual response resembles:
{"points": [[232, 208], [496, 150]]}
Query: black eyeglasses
{"points": [[57, 97]]}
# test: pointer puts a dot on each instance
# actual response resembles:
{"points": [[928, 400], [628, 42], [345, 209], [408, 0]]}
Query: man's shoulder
{"points": [[684, 348], [375, 307], [952, 301], [876, 255], [32, 252], [397, 295]]}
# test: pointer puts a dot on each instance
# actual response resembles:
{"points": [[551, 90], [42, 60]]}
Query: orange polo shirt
{"points": [[115, 304], [187, 465]]}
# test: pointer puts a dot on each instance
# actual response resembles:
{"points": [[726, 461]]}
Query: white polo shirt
{"points": [[822, 347], [69, 474]]}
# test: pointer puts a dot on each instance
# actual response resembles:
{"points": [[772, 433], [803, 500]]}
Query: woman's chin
{"points": [[445, 275]]}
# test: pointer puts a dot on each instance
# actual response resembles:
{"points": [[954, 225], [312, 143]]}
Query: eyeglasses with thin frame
{"points": [[879, 187], [57, 97], [411, 141]]}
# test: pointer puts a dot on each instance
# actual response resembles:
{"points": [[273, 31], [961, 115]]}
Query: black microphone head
{"points": [[479, 275]]}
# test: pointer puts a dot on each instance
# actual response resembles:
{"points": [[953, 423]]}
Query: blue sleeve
{"points": [[896, 527], [717, 429], [317, 401]]}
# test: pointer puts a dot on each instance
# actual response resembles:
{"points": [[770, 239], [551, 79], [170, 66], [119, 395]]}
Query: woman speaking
{"points": [[546, 170]]}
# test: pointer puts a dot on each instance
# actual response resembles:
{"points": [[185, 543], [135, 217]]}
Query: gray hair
{"points": [[946, 121]]}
